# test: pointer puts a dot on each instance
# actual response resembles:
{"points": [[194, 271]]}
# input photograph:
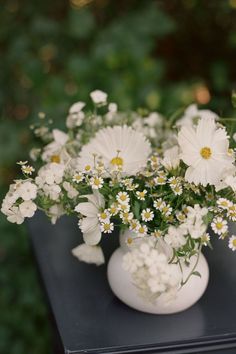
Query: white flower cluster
{"points": [[151, 272], [18, 203]]}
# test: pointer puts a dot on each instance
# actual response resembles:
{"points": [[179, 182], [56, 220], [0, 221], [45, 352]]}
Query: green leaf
{"points": [[197, 274]]}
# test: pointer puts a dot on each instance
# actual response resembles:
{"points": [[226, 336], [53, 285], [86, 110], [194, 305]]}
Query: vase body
{"points": [[122, 285]]}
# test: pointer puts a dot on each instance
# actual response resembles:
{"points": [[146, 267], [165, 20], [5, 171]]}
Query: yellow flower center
{"points": [[87, 168], [219, 225], [206, 152], [103, 216], [234, 242], [129, 240], [96, 181], [117, 161], [55, 158], [147, 215], [106, 227], [123, 197], [141, 230]]}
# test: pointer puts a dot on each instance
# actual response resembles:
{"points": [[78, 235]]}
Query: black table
{"points": [[90, 319]]}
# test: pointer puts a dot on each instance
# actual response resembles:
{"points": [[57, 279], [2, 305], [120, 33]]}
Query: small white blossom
{"points": [[98, 97], [14, 216], [27, 191], [27, 209], [71, 191]]}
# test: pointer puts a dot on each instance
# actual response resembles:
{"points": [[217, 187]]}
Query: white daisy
{"points": [[78, 177], [158, 203], [107, 227], [27, 169], [141, 195], [141, 230], [232, 242], [204, 149], [96, 182], [126, 217], [123, 198], [147, 215], [224, 203], [104, 216], [219, 226], [121, 148]]}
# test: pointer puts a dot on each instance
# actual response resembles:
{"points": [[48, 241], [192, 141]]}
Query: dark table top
{"points": [[90, 319]]}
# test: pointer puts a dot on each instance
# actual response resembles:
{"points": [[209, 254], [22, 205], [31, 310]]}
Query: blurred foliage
{"points": [[156, 54]]}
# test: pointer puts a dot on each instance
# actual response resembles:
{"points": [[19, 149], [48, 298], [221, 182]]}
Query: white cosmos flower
{"points": [[89, 254], [121, 148], [90, 225], [204, 149], [56, 147], [27, 209], [171, 158]]}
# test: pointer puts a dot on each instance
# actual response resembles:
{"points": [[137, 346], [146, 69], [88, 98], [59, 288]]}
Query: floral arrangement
{"points": [[167, 181]]}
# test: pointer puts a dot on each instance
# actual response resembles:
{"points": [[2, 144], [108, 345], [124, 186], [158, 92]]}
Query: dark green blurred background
{"points": [[161, 55]]}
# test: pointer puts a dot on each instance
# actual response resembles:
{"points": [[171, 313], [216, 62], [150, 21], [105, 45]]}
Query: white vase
{"points": [[122, 286]]}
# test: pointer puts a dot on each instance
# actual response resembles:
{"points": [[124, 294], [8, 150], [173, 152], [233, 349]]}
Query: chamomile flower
{"points": [[141, 230], [126, 217], [96, 182], [178, 190], [180, 216], [128, 183], [232, 212], [174, 181], [157, 233], [158, 203], [147, 215], [114, 209], [134, 225], [219, 226], [125, 208], [160, 180], [123, 198], [78, 177], [224, 203], [107, 227], [166, 209], [27, 169], [87, 168], [141, 195], [232, 243], [205, 239], [104, 216]]}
